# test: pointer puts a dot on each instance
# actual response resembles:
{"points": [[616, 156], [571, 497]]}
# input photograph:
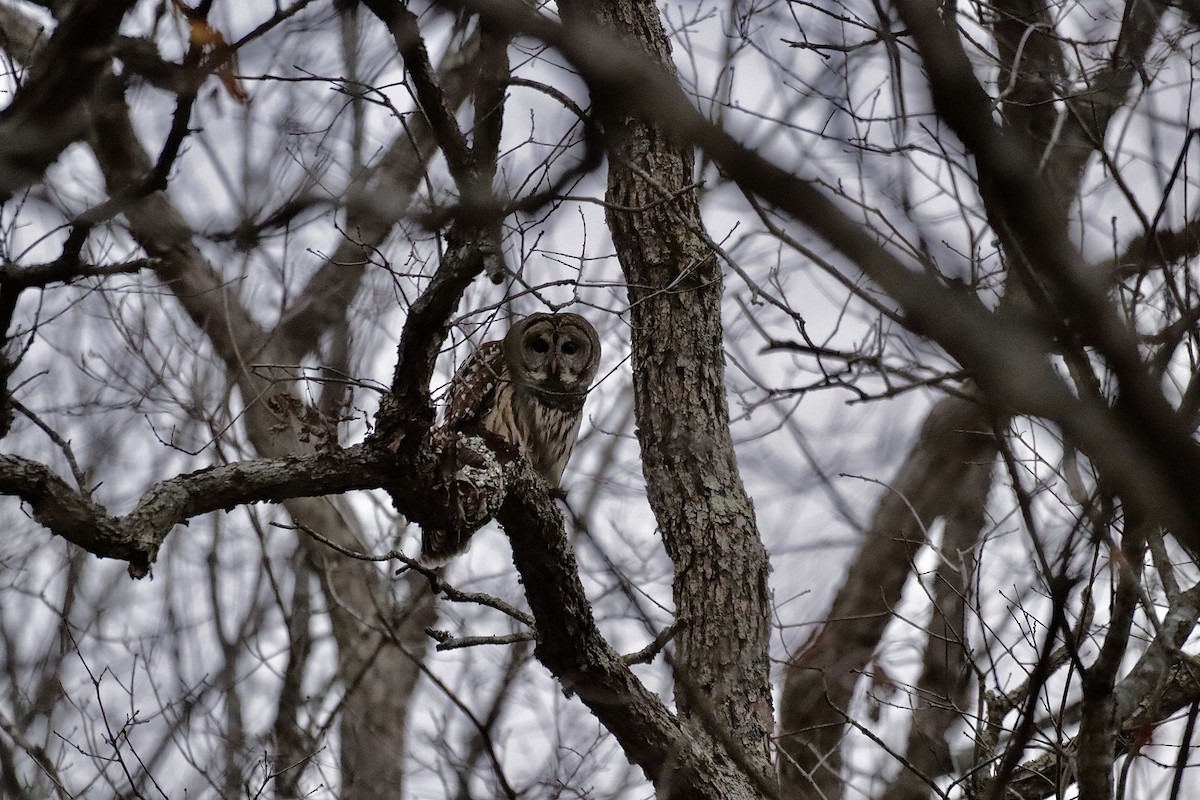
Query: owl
{"points": [[528, 389]]}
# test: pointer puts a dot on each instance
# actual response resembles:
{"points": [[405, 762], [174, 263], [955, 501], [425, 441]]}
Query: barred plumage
{"points": [[529, 390]]}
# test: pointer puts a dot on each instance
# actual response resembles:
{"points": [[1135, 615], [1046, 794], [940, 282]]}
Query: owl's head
{"points": [[553, 353]]}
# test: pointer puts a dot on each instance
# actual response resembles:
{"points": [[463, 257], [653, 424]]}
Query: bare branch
{"points": [[402, 24], [40, 275], [432, 574], [137, 536], [375, 202], [47, 112], [65, 512], [664, 637], [445, 641], [38, 754], [572, 648]]}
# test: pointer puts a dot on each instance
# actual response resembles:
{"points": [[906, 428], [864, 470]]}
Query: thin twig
{"points": [[447, 641], [432, 574], [647, 653]]}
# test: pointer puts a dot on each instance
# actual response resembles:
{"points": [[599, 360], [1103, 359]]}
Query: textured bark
{"points": [[948, 469], [705, 517], [66, 513], [571, 646], [137, 536]]}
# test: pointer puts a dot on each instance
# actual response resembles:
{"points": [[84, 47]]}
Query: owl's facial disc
{"points": [[553, 354]]}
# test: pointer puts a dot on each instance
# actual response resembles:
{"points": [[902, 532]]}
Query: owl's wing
{"points": [[473, 388]]}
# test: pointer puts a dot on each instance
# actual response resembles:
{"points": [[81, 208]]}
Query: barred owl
{"points": [[529, 390]]}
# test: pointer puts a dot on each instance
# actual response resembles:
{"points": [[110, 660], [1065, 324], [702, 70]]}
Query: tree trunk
{"points": [[705, 517], [948, 468]]}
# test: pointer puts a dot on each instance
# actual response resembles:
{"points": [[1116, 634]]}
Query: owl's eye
{"points": [[569, 348], [540, 345]]}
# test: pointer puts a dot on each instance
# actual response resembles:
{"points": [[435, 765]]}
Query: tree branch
{"points": [[1160, 684], [375, 202], [46, 114], [571, 646], [68, 514], [1156, 249], [1032, 212], [948, 469], [402, 24], [137, 536]]}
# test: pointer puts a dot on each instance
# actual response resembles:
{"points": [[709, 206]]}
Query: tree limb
{"points": [[47, 114], [571, 646], [137, 536]]}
